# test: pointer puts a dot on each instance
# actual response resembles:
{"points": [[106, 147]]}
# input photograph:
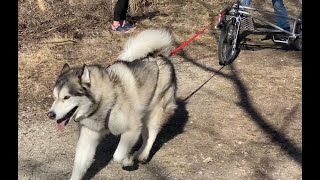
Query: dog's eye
{"points": [[66, 97]]}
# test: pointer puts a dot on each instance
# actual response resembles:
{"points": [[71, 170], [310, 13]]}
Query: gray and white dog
{"points": [[134, 96]]}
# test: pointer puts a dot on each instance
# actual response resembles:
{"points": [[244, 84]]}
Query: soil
{"points": [[239, 122]]}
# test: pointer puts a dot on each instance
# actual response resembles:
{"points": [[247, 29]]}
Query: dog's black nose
{"points": [[51, 115]]}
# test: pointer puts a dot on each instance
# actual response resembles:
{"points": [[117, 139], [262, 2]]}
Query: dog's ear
{"points": [[65, 68], [84, 76]]}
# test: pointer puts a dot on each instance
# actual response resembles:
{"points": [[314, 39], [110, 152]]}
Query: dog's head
{"points": [[72, 97]]}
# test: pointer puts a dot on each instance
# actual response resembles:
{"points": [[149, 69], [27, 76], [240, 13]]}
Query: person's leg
{"points": [[280, 9], [120, 12], [245, 2]]}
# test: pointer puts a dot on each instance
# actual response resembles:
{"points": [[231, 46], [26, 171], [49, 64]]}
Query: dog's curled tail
{"points": [[146, 42]]}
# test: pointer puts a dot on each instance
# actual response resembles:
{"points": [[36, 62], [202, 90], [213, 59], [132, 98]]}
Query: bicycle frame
{"points": [[240, 11], [236, 25]]}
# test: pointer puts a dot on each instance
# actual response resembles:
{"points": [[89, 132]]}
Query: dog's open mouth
{"points": [[65, 120]]}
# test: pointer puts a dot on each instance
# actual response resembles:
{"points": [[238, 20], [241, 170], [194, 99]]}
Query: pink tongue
{"points": [[61, 125]]}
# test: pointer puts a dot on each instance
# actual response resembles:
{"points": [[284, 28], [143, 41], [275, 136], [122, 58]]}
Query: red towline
{"points": [[196, 35]]}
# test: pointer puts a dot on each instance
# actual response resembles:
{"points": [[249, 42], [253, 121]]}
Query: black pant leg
{"points": [[120, 10]]}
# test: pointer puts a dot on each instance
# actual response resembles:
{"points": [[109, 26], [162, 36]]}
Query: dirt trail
{"points": [[244, 123]]}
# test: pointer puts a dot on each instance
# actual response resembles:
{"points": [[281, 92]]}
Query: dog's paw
{"points": [[142, 157], [117, 159], [127, 162]]}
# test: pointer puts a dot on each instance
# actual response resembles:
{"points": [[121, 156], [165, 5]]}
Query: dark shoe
{"points": [[125, 27], [117, 28], [128, 26], [280, 37]]}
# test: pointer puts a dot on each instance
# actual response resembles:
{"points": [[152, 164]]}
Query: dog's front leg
{"points": [[127, 141], [85, 152]]}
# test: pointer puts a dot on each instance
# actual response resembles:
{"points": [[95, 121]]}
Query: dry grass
{"points": [[134, 5], [35, 73]]}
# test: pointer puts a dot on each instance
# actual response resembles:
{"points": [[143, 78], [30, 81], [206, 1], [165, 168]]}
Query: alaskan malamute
{"points": [[135, 95]]}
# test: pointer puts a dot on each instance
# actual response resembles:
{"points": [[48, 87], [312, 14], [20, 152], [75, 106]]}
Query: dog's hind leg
{"points": [[149, 135], [145, 135], [127, 141], [85, 152], [158, 117]]}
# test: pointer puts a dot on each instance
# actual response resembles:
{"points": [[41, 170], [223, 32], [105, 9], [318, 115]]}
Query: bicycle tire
{"points": [[225, 53], [298, 41]]}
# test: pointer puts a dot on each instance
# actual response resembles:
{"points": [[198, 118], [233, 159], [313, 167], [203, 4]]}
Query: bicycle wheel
{"points": [[228, 38], [298, 42]]}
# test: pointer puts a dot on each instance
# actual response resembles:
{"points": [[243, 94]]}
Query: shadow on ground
{"points": [[108, 145], [276, 136]]}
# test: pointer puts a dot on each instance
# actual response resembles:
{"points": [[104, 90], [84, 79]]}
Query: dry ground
{"points": [[244, 123]]}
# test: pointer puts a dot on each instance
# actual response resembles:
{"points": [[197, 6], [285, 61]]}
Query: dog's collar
{"points": [[106, 120]]}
